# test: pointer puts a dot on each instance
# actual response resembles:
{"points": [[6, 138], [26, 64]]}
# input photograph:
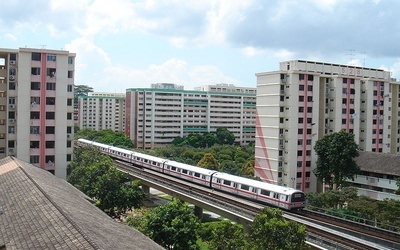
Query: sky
{"points": [[121, 44]]}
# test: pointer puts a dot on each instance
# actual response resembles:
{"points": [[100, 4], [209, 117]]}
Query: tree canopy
{"points": [[205, 140], [82, 90], [172, 225], [106, 136], [208, 161], [270, 230], [336, 153], [94, 174]]}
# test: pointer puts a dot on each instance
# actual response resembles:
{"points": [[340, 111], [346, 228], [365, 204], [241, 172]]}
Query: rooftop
{"points": [[381, 163], [41, 211]]}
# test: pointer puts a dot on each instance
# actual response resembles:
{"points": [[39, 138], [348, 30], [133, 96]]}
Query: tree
{"points": [[224, 136], [336, 153], [208, 161], [270, 230], [223, 235], [82, 90], [173, 226], [94, 174], [106, 136], [248, 169], [398, 185]]}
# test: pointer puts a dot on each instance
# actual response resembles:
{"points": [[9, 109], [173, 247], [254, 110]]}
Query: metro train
{"points": [[283, 197]]}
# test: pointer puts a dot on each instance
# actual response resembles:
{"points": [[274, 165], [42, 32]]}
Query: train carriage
{"points": [[283, 197], [189, 172]]}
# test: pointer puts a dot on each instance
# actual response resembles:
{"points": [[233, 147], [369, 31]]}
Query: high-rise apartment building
{"points": [[306, 100], [36, 107], [102, 111], [155, 116]]}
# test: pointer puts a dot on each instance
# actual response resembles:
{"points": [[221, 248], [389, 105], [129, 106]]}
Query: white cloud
{"points": [[10, 36]]}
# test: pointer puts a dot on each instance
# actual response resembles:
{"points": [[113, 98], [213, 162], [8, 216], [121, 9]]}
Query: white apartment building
{"points": [[304, 100], [99, 111], [36, 107], [156, 116]]}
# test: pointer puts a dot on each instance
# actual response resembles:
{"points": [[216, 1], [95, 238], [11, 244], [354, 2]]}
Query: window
{"points": [[11, 100], [69, 88], [310, 88], [35, 115], [310, 78], [50, 100], [34, 144], [51, 57], [36, 56], [69, 157], [34, 130], [69, 130], [11, 144], [301, 77], [34, 159], [11, 115], [265, 192], [35, 71], [299, 174], [51, 72], [50, 115], [49, 158], [11, 130], [35, 85], [69, 116], [50, 130], [69, 102], [69, 144], [301, 87], [50, 144], [301, 98], [11, 85], [70, 74], [51, 86], [35, 100], [70, 60]]}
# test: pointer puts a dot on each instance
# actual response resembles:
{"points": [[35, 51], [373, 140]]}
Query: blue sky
{"points": [[124, 44]]}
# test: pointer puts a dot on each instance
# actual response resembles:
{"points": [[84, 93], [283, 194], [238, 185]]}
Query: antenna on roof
{"points": [[43, 46], [364, 55]]}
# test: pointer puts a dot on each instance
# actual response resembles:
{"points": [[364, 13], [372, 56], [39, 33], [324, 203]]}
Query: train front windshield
{"points": [[298, 197]]}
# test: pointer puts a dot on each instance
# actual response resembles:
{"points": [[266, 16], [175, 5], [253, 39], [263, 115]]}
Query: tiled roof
{"points": [[379, 163], [41, 211]]}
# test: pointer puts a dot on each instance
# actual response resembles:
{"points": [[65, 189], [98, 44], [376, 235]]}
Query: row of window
{"points": [[51, 72], [49, 159]]}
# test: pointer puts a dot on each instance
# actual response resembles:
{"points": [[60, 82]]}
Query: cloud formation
{"points": [[229, 32]]}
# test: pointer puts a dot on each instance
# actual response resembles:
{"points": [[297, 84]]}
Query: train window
{"points": [[265, 192], [173, 168], [184, 171], [203, 177], [167, 166], [178, 170], [227, 182], [197, 174], [244, 187], [254, 190], [190, 173], [218, 180]]}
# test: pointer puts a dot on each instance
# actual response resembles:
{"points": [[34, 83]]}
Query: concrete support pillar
{"points": [[146, 190], [198, 211]]}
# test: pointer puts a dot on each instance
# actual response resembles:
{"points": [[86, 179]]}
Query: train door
{"points": [[282, 200]]}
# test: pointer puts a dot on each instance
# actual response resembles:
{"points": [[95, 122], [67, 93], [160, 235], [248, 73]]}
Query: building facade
{"points": [[36, 107], [99, 111], [305, 100], [156, 116]]}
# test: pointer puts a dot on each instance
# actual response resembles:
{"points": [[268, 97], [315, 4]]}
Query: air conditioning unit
{"points": [[12, 106], [12, 78], [12, 62], [280, 135], [283, 80], [281, 146], [11, 151], [12, 120], [68, 135]]}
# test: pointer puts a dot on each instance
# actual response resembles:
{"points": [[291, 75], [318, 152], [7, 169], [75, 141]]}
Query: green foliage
{"points": [[82, 90], [223, 235], [270, 230], [224, 136], [398, 185], [173, 226], [336, 153], [106, 136], [346, 204], [225, 156], [94, 174], [208, 161]]}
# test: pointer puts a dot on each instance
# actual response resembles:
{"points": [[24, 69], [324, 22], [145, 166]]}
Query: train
{"points": [[278, 196]]}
